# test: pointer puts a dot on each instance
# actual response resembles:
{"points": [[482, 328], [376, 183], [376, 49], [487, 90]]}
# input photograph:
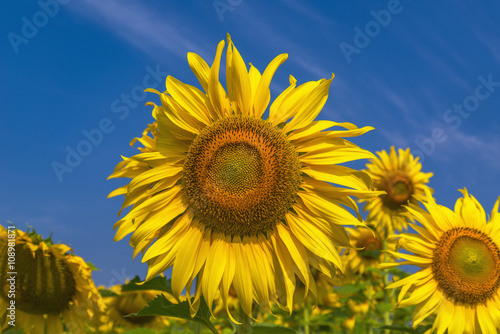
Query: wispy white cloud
{"points": [[44, 216], [483, 150], [307, 11], [488, 35], [395, 138], [144, 27], [437, 60]]}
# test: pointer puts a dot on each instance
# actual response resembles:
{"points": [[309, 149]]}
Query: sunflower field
{"points": [[254, 210]]}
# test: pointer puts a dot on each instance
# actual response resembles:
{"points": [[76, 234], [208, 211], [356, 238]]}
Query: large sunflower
{"points": [[459, 252], [400, 177], [229, 200], [51, 286]]}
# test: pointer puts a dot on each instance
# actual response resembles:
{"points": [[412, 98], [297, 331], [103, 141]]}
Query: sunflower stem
{"points": [[307, 330], [197, 328], [385, 279], [370, 302], [246, 323]]}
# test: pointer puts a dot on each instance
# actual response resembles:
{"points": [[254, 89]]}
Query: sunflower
{"points": [[459, 252], [326, 296], [366, 252], [49, 285], [400, 177], [127, 302], [232, 201]]}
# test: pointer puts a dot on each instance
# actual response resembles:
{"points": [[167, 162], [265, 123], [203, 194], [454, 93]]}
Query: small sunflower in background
{"points": [[127, 302], [232, 201], [54, 290], [367, 249], [325, 297], [459, 253], [399, 175]]}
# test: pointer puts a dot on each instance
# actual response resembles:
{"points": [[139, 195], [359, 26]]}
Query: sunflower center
{"points": [[370, 245], [236, 168], [467, 265], [399, 189], [241, 176], [44, 284]]}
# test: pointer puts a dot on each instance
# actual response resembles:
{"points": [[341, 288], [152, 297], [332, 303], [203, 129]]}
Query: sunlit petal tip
{"points": [[152, 90]]}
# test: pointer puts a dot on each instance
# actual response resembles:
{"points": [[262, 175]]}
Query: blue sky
{"points": [[426, 75]]}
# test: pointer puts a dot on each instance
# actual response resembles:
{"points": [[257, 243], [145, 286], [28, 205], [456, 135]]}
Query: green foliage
{"points": [[107, 293], [141, 331], [158, 283], [12, 330], [382, 306], [397, 329], [350, 288], [161, 306], [267, 328], [92, 267]]}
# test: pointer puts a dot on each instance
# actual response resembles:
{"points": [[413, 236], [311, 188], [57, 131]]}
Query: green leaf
{"points": [[374, 254], [422, 329], [92, 267], [374, 270], [382, 306], [348, 288], [14, 331], [268, 328], [107, 293], [397, 272], [399, 329], [419, 330], [141, 331], [360, 327], [161, 306], [157, 283]]}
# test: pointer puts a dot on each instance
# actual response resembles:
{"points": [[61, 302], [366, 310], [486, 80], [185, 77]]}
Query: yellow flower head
{"points": [[459, 253], [399, 175], [367, 251], [232, 201], [52, 286]]}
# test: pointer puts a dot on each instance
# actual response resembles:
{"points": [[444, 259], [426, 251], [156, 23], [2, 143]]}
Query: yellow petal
{"points": [[215, 266], [184, 262], [309, 107], [333, 155], [199, 68], [190, 98], [255, 77], [171, 237], [154, 203], [242, 280], [153, 175], [119, 191], [256, 266], [340, 175], [216, 93], [315, 240], [262, 94], [328, 210], [277, 114], [238, 80], [312, 129], [284, 269], [297, 252], [485, 319]]}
